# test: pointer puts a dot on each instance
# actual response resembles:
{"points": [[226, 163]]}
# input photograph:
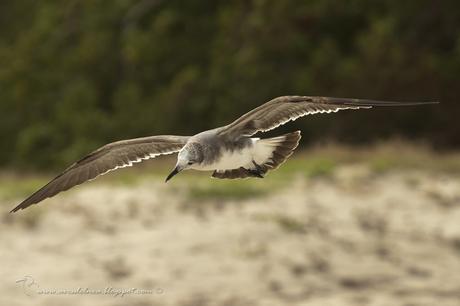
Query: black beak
{"points": [[174, 172]]}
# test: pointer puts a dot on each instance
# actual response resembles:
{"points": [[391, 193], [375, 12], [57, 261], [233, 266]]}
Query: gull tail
{"points": [[280, 149], [268, 154]]}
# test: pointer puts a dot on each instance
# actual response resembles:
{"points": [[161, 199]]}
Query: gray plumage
{"points": [[228, 151], [108, 158]]}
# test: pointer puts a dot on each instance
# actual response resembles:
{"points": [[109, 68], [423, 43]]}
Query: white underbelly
{"points": [[239, 158], [230, 160]]}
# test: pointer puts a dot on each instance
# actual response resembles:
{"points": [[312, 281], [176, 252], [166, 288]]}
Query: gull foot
{"points": [[258, 171]]}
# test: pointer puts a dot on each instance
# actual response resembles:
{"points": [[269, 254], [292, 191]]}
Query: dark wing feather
{"points": [[108, 158], [287, 108]]}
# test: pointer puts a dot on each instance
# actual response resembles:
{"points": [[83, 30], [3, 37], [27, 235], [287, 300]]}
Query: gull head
{"points": [[190, 155]]}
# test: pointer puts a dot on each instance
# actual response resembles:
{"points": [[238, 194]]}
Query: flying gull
{"points": [[229, 151]]}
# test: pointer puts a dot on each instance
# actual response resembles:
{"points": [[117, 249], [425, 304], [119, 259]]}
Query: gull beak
{"points": [[173, 173]]}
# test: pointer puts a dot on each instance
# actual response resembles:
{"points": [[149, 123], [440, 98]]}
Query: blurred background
{"points": [[78, 74], [365, 213]]}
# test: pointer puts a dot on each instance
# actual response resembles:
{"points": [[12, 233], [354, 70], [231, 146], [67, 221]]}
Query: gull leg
{"points": [[258, 171]]}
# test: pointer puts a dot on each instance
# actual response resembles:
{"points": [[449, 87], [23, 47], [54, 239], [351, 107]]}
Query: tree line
{"points": [[75, 75]]}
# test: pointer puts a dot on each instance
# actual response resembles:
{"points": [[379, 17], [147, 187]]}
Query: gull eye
{"points": [[190, 163]]}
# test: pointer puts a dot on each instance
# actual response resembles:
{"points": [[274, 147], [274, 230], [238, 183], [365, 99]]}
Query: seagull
{"points": [[229, 151]]}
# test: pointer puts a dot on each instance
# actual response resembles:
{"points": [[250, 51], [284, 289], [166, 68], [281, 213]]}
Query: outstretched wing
{"points": [[287, 108], [108, 158]]}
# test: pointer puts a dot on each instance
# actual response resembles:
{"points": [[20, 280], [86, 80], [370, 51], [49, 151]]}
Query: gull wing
{"points": [[110, 157], [288, 108]]}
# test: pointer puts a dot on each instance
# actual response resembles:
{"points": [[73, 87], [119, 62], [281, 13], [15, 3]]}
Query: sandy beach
{"points": [[351, 236]]}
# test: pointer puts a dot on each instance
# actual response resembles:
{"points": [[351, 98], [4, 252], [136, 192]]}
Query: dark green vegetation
{"points": [[77, 74]]}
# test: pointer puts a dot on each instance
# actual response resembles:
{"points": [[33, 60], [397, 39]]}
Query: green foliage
{"points": [[14, 188], [226, 190], [290, 224], [382, 165], [311, 167], [76, 75]]}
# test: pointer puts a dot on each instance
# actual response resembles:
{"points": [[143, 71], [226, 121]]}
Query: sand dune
{"points": [[351, 238]]}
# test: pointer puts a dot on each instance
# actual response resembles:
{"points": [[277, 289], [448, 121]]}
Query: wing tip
{"points": [[32, 200], [21, 206], [377, 103], [368, 102], [17, 208]]}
